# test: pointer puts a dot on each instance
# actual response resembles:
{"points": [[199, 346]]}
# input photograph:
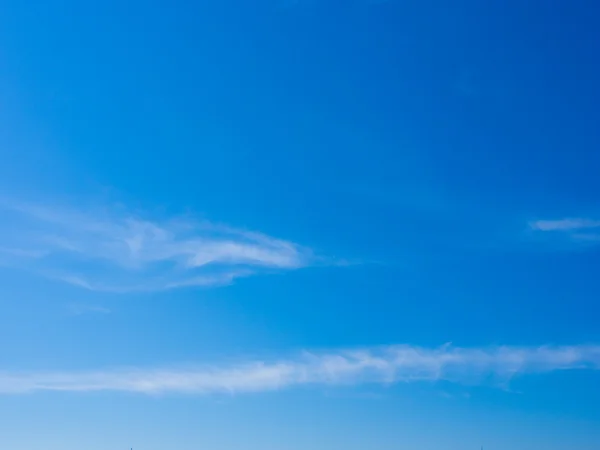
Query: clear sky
{"points": [[299, 225]]}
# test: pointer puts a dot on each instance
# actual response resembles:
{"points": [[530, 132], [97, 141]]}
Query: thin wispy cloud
{"points": [[568, 224], [119, 251], [381, 365], [80, 309], [576, 229]]}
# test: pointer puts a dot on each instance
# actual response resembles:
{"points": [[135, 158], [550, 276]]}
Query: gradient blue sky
{"points": [[299, 224]]}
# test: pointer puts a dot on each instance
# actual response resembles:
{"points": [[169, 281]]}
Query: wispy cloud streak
{"points": [[381, 365], [80, 309], [568, 224], [578, 230], [116, 250]]}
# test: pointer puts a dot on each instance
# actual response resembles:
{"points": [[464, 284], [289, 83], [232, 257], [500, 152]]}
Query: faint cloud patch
{"points": [[384, 366], [576, 229], [117, 250], [568, 224], [79, 310]]}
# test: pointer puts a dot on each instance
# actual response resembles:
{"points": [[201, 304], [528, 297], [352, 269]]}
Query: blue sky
{"points": [[308, 224]]}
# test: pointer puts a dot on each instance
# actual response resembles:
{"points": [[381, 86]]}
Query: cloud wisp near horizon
{"points": [[115, 250], [350, 367]]}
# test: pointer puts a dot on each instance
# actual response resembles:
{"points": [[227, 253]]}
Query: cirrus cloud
{"points": [[568, 224], [582, 231], [118, 251], [347, 367]]}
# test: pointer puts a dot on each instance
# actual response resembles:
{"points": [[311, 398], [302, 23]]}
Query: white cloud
{"points": [[568, 224], [382, 365], [577, 230], [119, 251]]}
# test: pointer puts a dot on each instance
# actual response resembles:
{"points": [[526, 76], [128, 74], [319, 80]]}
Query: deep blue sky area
{"points": [[299, 224]]}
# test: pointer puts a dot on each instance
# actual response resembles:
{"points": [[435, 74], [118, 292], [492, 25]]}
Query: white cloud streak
{"points": [[381, 365], [118, 251], [577, 230], [569, 224]]}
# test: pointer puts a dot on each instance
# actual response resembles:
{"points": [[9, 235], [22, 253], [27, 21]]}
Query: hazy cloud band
{"points": [[117, 250], [351, 367]]}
